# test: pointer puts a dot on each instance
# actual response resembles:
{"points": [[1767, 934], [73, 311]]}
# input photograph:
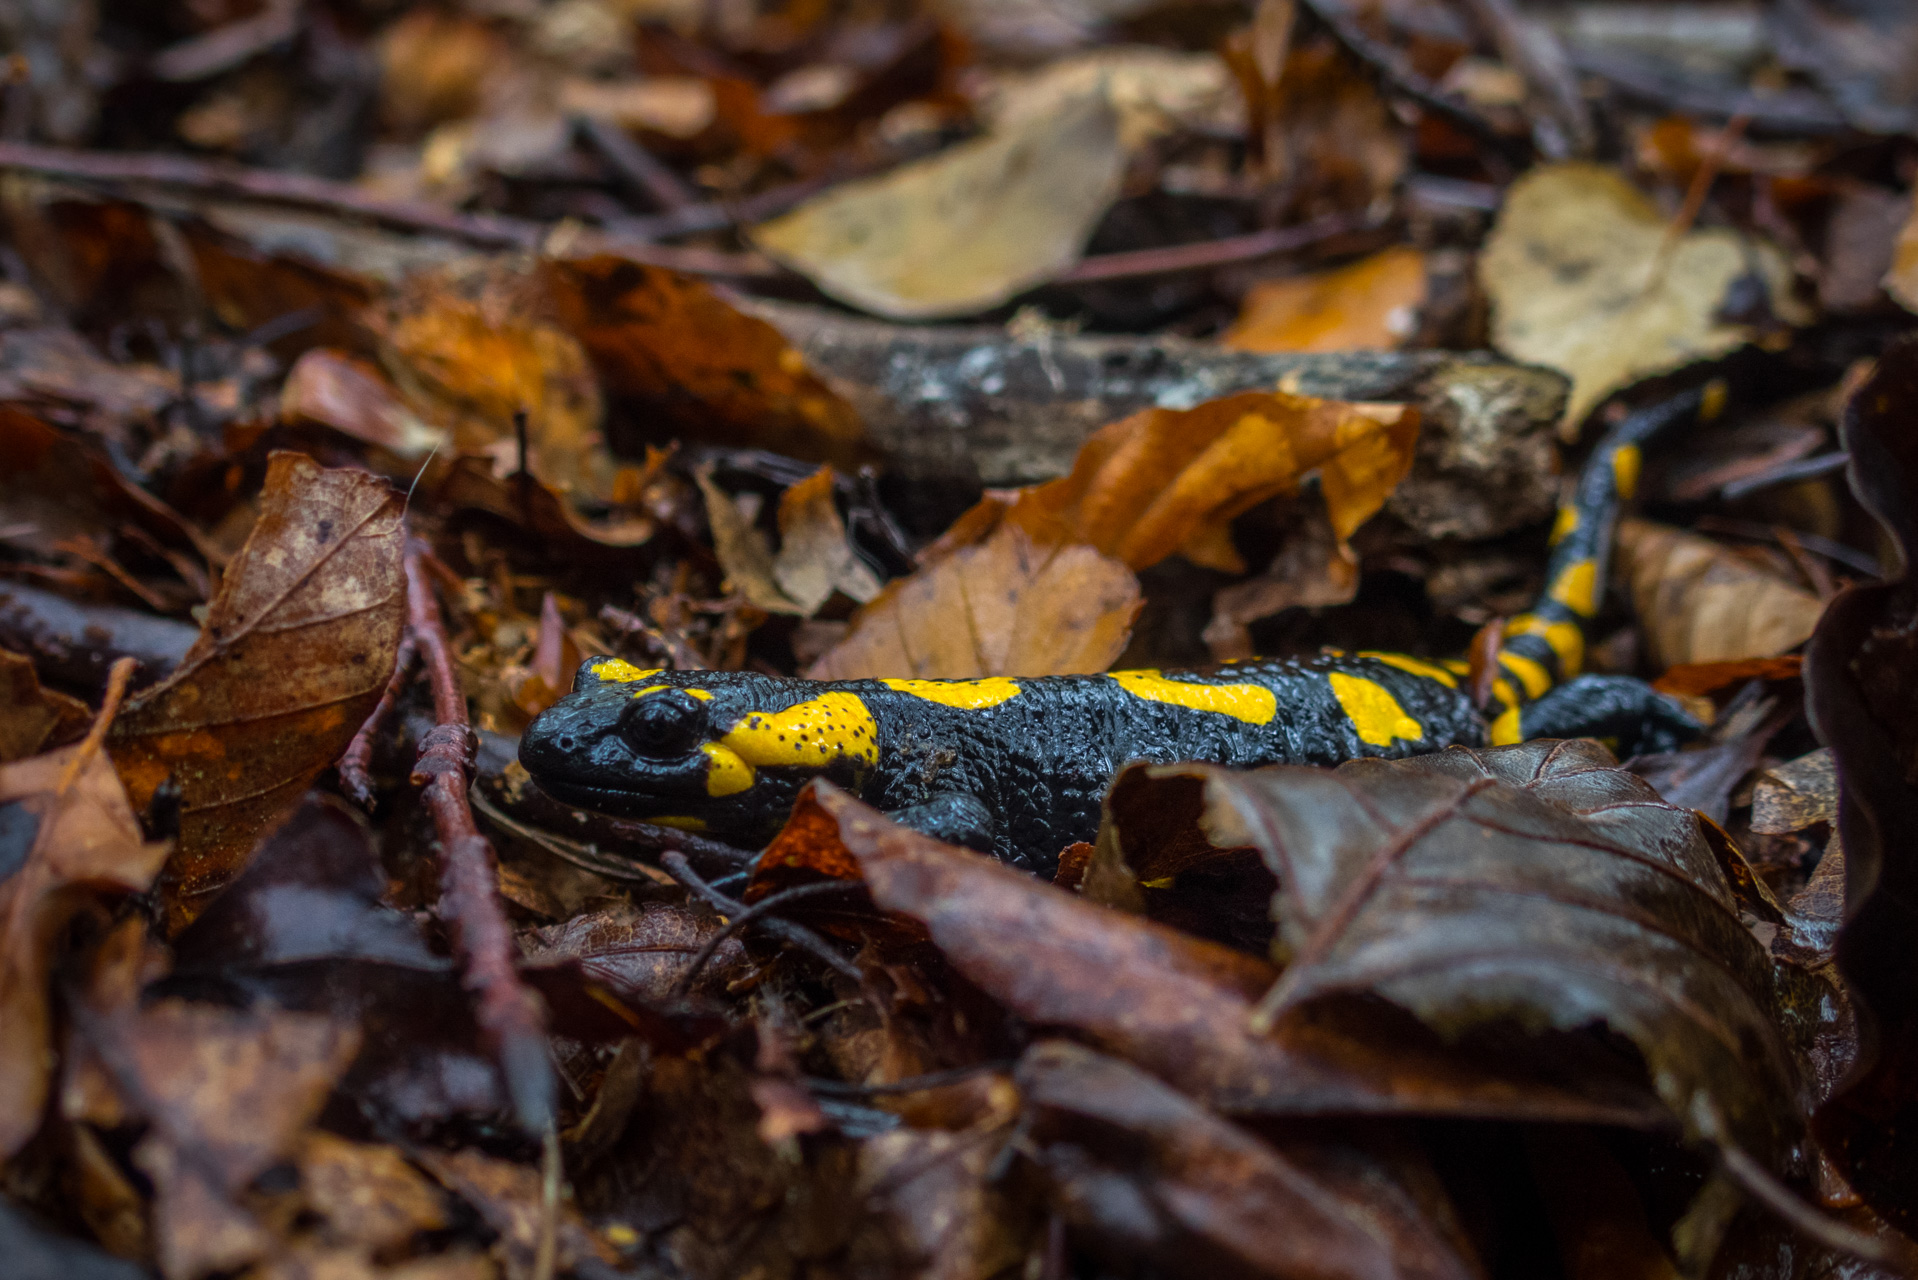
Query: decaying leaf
{"points": [[295, 650], [1536, 884], [1006, 606], [33, 719], [1794, 795], [1154, 90], [1171, 1003], [59, 837], [968, 228], [1901, 282], [672, 344], [471, 348], [1584, 276], [227, 1094], [1698, 602], [508, 1198], [1148, 1172], [814, 558], [350, 395], [1371, 303]]}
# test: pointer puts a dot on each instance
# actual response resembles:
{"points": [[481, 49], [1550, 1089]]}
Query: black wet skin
{"points": [[1040, 761]]}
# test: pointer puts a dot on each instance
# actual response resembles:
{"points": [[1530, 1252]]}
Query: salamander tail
{"points": [[1545, 647]]}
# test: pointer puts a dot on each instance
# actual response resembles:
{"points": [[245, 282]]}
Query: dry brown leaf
{"points": [[1170, 480], [1698, 602], [968, 228], [1370, 303], [1006, 606], [366, 1196], [815, 557], [508, 1198], [1154, 90], [33, 719], [295, 650], [471, 347], [1583, 276], [352, 396], [51, 842], [742, 550], [669, 341]]}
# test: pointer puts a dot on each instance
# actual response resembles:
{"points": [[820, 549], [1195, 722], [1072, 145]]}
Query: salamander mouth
{"points": [[621, 803]]}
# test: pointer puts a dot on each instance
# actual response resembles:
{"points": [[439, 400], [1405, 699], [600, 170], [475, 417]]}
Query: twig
{"points": [[356, 760], [507, 1011], [117, 680], [302, 191], [767, 906], [546, 1253], [1757, 1182], [1785, 473], [1536, 54], [785, 930], [1215, 253], [638, 168], [1396, 76]]}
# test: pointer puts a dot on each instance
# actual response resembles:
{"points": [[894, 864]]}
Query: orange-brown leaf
{"points": [[295, 650], [1368, 303], [1008, 606], [32, 718], [669, 340]]}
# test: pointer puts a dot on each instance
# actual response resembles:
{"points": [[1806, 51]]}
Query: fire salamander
{"points": [[1017, 766]]}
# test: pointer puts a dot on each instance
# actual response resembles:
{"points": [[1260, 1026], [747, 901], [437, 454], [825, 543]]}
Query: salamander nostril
{"points": [[566, 742]]}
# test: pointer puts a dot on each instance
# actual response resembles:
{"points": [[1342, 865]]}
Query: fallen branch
{"points": [[508, 1012]]}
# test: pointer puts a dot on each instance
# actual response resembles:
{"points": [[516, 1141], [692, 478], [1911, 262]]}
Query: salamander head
{"points": [[718, 751]]}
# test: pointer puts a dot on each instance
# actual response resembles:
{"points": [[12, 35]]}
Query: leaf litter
{"points": [[359, 409]]}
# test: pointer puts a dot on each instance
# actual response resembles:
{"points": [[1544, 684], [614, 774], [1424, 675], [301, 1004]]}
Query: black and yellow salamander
{"points": [[1018, 765]]}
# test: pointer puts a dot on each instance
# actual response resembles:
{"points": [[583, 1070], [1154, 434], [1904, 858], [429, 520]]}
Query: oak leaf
{"points": [[1698, 602]]}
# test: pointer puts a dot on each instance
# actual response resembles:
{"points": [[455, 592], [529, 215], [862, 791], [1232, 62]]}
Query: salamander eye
{"points": [[663, 725]]}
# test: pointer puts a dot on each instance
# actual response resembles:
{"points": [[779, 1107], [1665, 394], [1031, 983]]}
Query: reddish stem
{"points": [[356, 761], [508, 1012]]}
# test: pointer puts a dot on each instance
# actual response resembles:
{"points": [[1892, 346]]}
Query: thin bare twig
{"points": [[356, 760], [117, 680], [767, 906], [638, 169], [507, 1011], [1215, 253], [785, 930], [302, 191]]}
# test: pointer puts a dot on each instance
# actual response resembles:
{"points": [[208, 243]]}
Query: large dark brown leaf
{"points": [[1143, 1170], [1861, 685], [1174, 1004], [295, 650], [1536, 885]]}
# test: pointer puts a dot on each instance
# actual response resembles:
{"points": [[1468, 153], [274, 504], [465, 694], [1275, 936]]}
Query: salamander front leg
{"points": [[1627, 711], [956, 817]]}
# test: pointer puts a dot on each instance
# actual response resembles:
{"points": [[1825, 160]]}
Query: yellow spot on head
{"points": [[726, 773], [1251, 703], [1626, 461], [1567, 641], [1533, 676], [1565, 525], [622, 671], [1577, 588], [833, 726], [965, 694], [1505, 730], [1405, 662], [1374, 712]]}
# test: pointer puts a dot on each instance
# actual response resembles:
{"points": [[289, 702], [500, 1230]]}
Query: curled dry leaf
{"points": [[1698, 602], [968, 228], [296, 648], [815, 558], [1006, 606], [1170, 480], [33, 719], [1585, 276], [56, 842], [1373, 302], [672, 343], [1148, 1172], [1176, 1005], [1864, 705], [1536, 885]]}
